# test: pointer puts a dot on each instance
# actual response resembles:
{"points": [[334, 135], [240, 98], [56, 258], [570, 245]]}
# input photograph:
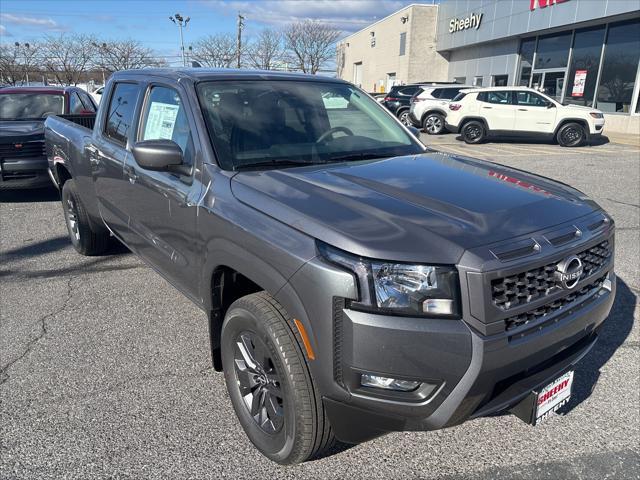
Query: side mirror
{"points": [[551, 105], [158, 155]]}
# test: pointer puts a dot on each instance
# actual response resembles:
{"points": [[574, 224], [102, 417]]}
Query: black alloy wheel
{"points": [[473, 132], [87, 237], [571, 135], [259, 382], [71, 215]]}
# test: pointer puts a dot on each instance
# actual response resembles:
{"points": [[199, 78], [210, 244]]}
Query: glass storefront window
{"points": [[619, 68], [527, 47], [553, 51], [583, 74]]}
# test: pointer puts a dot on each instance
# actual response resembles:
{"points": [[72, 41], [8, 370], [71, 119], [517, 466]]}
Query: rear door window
{"points": [[75, 104], [495, 97], [120, 113]]}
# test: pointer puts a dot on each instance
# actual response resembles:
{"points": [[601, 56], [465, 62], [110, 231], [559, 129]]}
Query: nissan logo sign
{"points": [[568, 272]]}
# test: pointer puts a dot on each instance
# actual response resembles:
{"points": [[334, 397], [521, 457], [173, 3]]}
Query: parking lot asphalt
{"points": [[105, 368]]}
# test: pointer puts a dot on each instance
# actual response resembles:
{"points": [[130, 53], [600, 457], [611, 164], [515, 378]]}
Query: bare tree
{"points": [[10, 68], [18, 61], [217, 51], [67, 57], [124, 55], [310, 43], [266, 51]]}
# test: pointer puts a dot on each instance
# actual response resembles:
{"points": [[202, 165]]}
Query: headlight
{"points": [[596, 114], [400, 288]]}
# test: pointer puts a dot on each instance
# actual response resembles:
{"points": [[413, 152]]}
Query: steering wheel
{"points": [[333, 130]]}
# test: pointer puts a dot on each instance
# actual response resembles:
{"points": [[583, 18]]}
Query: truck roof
{"points": [[200, 74], [52, 90]]}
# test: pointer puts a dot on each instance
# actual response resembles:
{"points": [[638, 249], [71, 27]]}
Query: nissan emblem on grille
{"points": [[568, 272]]}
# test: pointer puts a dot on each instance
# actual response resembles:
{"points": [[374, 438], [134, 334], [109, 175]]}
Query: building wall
{"points": [[421, 61], [496, 58], [508, 18]]}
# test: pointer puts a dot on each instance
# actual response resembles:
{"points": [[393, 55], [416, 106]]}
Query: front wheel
{"points": [[269, 381], [433, 124], [473, 132], [571, 135], [85, 238]]}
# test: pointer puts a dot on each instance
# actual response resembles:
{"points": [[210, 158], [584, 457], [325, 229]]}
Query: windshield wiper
{"points": [[274, 163], [356, 156]]}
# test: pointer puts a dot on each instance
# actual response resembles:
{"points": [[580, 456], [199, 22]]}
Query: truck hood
{"points": [[423, 208], [19, 130]]}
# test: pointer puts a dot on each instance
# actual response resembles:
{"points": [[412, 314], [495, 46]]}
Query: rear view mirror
{"points": [[158, 155]]}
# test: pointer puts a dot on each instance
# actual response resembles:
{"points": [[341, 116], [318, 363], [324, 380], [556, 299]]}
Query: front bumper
{"points": [[472, 375], [469, 368], [24, 173]]}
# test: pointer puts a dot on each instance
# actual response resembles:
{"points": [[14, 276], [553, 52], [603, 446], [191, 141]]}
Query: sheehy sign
{"points": [[459, 24], [543, 3]]}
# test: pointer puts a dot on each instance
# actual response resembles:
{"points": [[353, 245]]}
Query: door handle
{"points": [[488, 108], [130, 173], [523, 110]]}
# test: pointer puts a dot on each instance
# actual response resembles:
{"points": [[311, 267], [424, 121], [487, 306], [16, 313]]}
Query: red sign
{"points": [[543, 3], [578, 83]]}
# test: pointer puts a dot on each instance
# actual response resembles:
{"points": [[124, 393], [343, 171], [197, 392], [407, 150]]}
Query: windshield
{"points": [[286, 123], [23, 106]]}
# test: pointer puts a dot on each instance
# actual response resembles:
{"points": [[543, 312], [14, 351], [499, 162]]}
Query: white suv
{"points": [[429, 106], [519, 111]]}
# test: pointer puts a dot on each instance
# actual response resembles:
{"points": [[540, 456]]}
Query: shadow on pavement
{"points": [[615, 330], [49, 194], [594, 142]]}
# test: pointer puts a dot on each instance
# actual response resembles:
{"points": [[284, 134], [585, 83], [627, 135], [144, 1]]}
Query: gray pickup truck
{"points": [[356, 283]]}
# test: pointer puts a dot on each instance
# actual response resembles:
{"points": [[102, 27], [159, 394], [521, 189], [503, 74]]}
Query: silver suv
{"points": [[428, 107]]}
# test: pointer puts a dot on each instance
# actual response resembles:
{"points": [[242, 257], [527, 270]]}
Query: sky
{"points": [[148, 20]]}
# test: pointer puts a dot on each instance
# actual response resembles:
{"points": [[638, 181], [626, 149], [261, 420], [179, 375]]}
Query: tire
{"points": [[84, 237], [474, 132], [571, 134], [288, 423], [433, 124], [403, 116]]}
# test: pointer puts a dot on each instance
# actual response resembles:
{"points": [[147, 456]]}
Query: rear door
{"points": [[534, 113], [107, 154], [162, 210], [497, 109]]}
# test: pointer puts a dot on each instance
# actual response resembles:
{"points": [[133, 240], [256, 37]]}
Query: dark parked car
{"points": [[398, 100], [355, 282], [23, 163]]}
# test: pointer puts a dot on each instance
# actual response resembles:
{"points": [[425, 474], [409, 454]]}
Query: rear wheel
{"points": [[571, 135], [269, 381], [86, 239], [473, 132], [433, 124], [404, 118]]}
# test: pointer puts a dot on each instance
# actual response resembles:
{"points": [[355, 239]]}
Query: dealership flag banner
{"points": [[578, 83]]}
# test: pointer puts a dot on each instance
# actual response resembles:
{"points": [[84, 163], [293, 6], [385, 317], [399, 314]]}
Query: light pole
{"points": [[181, 23], [239, 44], [102, 49], [26, 59]]}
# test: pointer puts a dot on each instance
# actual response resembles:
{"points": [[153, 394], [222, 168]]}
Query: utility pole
{"points": [[181, 23], [240, 27]]}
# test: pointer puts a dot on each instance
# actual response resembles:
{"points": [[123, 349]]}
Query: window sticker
{"points": [[161, 121]]}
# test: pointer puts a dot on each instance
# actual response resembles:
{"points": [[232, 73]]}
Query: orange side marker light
{"points": [[305, 339]]}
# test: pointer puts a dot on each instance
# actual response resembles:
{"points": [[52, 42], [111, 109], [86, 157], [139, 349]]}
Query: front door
{"points": [[107, 154], [534, 113], [163, 217]]}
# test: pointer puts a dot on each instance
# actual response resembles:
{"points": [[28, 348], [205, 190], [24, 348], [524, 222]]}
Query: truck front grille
{"points": [[525, 287], [551, 307], [23, 150]]}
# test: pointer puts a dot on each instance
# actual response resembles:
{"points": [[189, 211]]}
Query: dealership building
{"points": [[584, 52]]}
